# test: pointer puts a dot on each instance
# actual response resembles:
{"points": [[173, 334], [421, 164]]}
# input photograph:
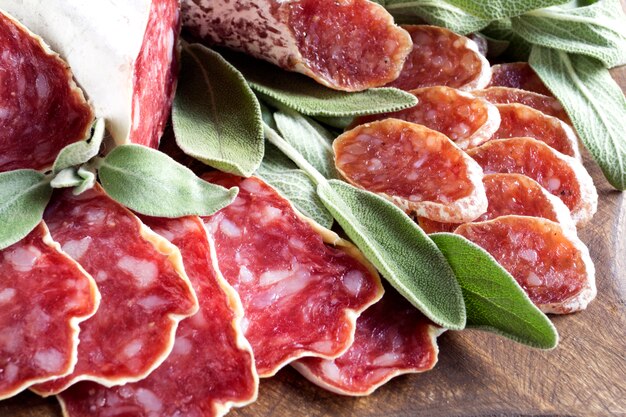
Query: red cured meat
{"points": [[517, 75], [347, 45], [211, 367], [561, 175], [551, 264], [145, 292], [420, 170], [41, 108], [467, 120], [44, 295], [302, 287], [392, 338], [441, 57]]}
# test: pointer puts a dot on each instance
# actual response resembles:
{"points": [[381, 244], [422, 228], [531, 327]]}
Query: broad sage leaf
{"points": [[151, 183], [24, 194], [594, 103], [80, 152], [494, 300], [501, 9], [216, 117]]}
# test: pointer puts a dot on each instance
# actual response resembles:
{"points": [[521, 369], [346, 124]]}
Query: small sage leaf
{"points": [[24, 194], [501, 9], [88, 177], [494, 300], [66, 178], [151, 183], [80, 152], [216, 117]]}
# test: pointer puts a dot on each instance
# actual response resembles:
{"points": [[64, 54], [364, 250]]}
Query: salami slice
{"points": [[145, 291], [441, 57], [551, 264], [44, 295], [302, 287], [420, 170], [41, 108], [467, 120], [561, 175], [123, 54], [517, 75], [211, 367], [392, 338], [347, 45]]}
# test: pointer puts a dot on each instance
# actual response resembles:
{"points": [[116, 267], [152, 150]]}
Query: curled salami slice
{"points": [[441, 57], [513, 194], [44, 295], [392, 338], [347, 45], [145, 291], [467, 120], [302, 287], [211, 367], [551, 264], [123, 54], [561, 175], [420, 170], [41, 108], [517, 75]]}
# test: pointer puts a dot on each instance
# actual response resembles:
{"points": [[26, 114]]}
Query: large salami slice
{"points": [[145, 291], [561, 175], [392, 338], [302, 287], [417, 168], [44, 295], [347, 45], [517, 75], [211, 367], [41, 109], [123, 54], [441, 57], [550, 263]]}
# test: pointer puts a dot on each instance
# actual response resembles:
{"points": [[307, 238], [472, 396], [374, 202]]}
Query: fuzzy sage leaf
{"points": [[80, 152], [500, 9]]}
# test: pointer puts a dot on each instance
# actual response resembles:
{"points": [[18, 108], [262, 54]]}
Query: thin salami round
{"points": [[517, 75], [417, 168]]}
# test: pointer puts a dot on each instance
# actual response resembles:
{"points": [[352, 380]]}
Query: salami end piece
{"points": [[550, 263], [417, 168], [44, 295], [347, 45], [517, 75]]}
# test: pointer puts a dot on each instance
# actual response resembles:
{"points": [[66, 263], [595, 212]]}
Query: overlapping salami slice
{"points": [[467, 120], [347, 45], [441, 57], [123, 54], [550, 263], [44, 295], [517, 75], [561, 175], [145, 291], [211, 367], [417, 168], [302, 287], [41, 109], [392, 338]]}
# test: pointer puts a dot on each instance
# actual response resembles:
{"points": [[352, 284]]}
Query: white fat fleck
{"points": [[94, 216], [77, 248], [148, 399], [133, 348], [529, 255], [374, 164], [245, 323], [272, 277], [4, 113], [136, 112], [386, 360], [269, 214], [418, 164], [23, 259], [251, 186], [323, 346], [533, 279], [50, 360], [554, 184], [42, 87], [125, 391], [353, 281], [9, 373], [330, 370], [245, 275], [296, 243], [145, 272], [182, 346], [229, 228], [100, 276], [152, 302], [198, 320], [6, 295]]}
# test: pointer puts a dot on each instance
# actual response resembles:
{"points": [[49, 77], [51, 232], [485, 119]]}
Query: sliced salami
{"points": [[417, 168], [392, 338], [211, 367], [44, 295], [550, 263], [145, 291], [347, 45], [517, 75], [561, 175], [42, 110], [441, 57], [123, 55], [302, 287], [467, 120]]}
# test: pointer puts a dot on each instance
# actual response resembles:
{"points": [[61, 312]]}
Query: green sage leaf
{"points": [[501, 9], [151, 183], [88, 177], [66, 178], [80, 152], [502, 30]]}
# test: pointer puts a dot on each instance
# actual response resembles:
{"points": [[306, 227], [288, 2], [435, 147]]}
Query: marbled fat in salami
{"points": [[44, 295], [211, 367], [517, 75], [550, 263], [302, 287], [347, 45], [145, 291], [41, 109], [417, 168]]}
